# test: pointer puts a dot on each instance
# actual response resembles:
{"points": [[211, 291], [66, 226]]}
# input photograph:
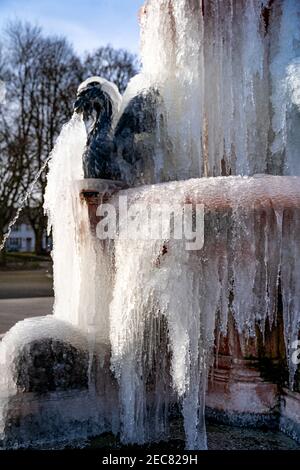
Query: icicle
{"points": [[290, 283], [60, 200], [285, 90]]}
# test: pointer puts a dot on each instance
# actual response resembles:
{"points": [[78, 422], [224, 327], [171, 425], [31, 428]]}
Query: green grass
{"points": [[27, 261], [23, 257]]}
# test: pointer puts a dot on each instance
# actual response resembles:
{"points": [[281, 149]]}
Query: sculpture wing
{"points": [[135, 135]]}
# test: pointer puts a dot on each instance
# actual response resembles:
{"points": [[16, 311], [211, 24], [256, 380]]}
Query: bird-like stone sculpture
{"points": [[121, 133]]}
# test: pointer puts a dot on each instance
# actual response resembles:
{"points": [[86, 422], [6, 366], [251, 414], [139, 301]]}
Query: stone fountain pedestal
{"points": [[61, 389]]}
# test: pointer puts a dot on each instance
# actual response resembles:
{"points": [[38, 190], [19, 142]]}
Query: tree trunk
{"points": [[2, 253], [39, 232]]}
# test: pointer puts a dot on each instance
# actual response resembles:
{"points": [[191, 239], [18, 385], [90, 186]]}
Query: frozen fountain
{"points": [[145, 328]]}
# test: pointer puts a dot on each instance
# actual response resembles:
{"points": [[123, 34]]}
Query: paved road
{"points": [[25, 284], [24, 294], [14, 310]]}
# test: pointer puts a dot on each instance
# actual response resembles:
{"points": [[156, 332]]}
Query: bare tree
{"points": [[13, 177], [116, 65], [45, 75], [59, 74], [42, 75]]}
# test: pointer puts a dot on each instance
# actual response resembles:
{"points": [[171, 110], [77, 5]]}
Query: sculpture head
{"points": [[95, 97], [99, 102]]}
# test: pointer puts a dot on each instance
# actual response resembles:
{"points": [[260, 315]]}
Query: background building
{"points": [[22, 238]]}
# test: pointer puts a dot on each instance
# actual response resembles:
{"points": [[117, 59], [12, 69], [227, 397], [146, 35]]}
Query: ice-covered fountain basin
{"points": [[248, 263], [243, 283], [216, 193], [167, 308], [232, 191], [259, 201]]}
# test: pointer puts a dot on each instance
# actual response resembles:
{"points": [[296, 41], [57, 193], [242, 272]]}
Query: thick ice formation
{"points": [[285, 71], [26, 332], [228, 76], [81, 275], [60, 201], [47, 391], [251, 242]]}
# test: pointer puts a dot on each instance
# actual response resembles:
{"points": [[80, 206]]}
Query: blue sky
{"points": [[88, 24]]}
